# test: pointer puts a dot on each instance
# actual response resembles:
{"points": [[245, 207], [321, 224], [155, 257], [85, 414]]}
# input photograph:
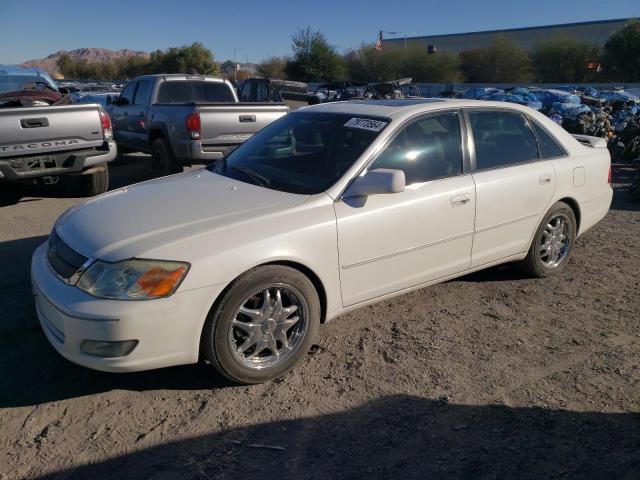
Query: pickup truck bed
{"points": [[224, 126]]}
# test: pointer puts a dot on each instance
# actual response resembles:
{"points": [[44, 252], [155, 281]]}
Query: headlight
{"points": [[133, 279]]}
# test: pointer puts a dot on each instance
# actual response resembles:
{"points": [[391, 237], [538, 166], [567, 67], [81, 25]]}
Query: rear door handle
{"points": [[460, 200], [544, 179]]}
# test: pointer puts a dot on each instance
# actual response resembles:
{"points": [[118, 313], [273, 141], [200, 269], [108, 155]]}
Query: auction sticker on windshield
{"points": [[366, 124]]}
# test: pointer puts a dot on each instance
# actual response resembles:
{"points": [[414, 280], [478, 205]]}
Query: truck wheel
{"points": [[163, 161], [96, 183]]}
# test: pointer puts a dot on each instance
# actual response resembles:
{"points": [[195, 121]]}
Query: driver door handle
{"points": [[460, 200]]}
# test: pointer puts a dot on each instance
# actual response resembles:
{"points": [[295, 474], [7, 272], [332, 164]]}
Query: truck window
{"points": [[126, 97], [211, 92], [174, 92], [183, 92], [142, 94]]}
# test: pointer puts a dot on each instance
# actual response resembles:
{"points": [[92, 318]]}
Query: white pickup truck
{"points": [[40, 141]]}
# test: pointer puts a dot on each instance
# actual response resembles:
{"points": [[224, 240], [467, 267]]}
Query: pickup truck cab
{"points": [[185, 118], [42, 137]]}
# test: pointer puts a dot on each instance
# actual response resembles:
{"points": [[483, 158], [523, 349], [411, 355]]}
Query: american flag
{"points": [[379, 41]]}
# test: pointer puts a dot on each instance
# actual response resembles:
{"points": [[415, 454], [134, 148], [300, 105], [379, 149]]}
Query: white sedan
{"points": [[328, 209]]}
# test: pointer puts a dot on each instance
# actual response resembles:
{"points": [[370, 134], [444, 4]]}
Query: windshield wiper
{"points": [[262, 180]]}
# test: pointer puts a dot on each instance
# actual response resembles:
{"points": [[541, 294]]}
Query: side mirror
{"points": [[374, 182]]}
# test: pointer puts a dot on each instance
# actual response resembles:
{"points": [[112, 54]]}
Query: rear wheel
{"points": [[97, 182], [553, 242], [163, 161], [263, 325]]}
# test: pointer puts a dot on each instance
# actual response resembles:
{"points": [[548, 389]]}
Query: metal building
{"points": [[596, 32]]}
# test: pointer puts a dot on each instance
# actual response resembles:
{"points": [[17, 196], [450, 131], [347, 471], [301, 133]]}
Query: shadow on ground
{"points": [[399, 437], [623, 176], [127, 169]]}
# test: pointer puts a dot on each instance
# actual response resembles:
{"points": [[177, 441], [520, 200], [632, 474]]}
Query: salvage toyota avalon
{"points": [[325, 210]]}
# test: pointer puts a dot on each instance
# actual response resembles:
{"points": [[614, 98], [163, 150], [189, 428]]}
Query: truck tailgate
{"points": [[233, 123], [42, 130]]}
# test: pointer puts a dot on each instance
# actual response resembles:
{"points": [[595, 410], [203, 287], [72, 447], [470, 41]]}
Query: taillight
{"points": [[193, 125], [105, 123], [610, 175]]}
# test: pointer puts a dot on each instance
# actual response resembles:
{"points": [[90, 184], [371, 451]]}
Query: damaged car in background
{"points": [[43, 136]]}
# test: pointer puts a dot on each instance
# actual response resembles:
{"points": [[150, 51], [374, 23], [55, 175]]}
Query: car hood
{"points": [[130, 221]]}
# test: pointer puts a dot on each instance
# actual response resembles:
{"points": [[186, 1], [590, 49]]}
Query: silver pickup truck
{"points": [[182, 119], [40, 141]]}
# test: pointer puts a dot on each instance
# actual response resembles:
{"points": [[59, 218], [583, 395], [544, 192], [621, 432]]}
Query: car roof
{"points": [[406, 107]]}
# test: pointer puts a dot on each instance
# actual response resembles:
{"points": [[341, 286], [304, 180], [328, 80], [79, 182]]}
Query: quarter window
{"points": [[425, 150], [550, 146], [502, 139]]}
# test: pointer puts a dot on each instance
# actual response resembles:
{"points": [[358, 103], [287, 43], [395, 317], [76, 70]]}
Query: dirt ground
{"points": [[494, 375]]}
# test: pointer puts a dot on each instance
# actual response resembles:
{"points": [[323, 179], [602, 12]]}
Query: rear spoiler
{"points": [[593, 142]]}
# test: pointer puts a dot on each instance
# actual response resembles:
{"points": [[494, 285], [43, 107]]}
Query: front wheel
{"points": [[263, 326], [553, 242]]}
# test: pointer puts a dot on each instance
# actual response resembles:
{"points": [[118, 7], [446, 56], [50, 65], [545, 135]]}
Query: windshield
{"points": [[303, 152], [13, 83]]}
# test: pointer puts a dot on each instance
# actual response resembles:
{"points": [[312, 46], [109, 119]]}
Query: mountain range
{"points": [[49, 63]]}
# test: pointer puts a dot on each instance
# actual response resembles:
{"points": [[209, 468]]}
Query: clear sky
{"points": [[34, 28]]}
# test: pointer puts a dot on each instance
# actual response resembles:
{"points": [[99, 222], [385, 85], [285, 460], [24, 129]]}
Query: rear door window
{"points": [[502, 139]]}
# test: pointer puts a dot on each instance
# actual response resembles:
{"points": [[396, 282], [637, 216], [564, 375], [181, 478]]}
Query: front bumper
{"points": [[72, 161], [167, 329]]}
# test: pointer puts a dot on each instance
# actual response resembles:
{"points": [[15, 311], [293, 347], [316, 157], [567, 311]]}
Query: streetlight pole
{"points": [[235, 65]]}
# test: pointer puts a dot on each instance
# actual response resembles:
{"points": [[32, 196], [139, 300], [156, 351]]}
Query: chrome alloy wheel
{"points": [[269, 326], [554, 245]]}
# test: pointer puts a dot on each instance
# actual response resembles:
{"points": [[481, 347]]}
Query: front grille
{"points": [[64, 260]]}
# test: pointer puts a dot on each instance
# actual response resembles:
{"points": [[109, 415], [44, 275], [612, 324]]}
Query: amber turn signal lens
{"points": [[158, 282]]}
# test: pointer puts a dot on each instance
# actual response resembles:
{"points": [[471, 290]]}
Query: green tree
{"points": [[621, 61], [565, 60], [314, 59], [370, 65], [502, 62], [65, 64], [273, 67], [193, 59]]}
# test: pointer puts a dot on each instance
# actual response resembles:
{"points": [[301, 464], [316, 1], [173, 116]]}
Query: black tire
{"points": [[97, 182], [163, 161], [218, 330], [533, 264]]}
